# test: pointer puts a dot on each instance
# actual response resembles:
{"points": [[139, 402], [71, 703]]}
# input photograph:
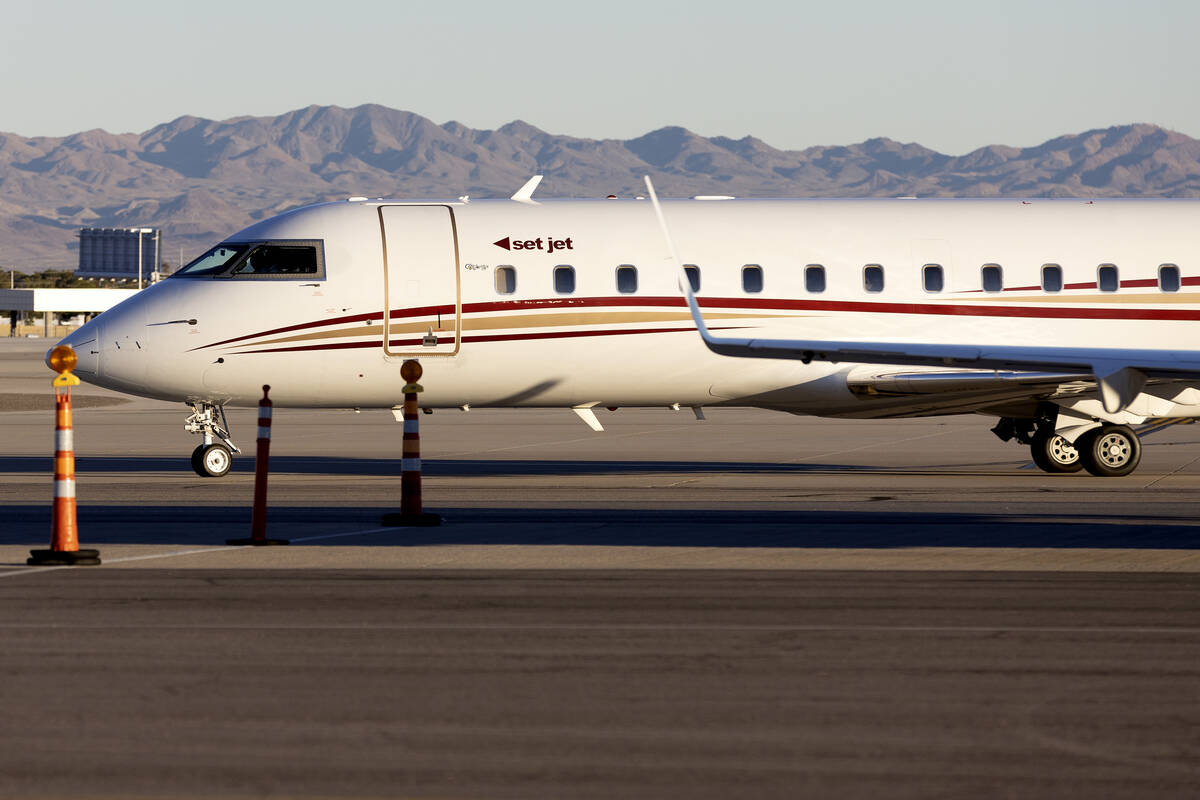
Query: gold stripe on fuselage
{"points": [[1107, 297], [495, 322]]}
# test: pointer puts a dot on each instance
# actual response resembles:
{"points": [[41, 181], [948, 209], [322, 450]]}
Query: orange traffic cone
{"points": [[64, 533]]}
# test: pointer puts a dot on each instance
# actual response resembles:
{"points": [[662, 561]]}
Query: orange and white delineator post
{"points": [[262, 457], [64, 532], [411, 512]]}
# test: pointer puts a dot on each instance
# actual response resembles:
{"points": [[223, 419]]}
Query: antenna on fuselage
{"points": [[685, 283], [525, 193]]}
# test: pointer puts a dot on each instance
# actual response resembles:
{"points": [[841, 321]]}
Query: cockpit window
{"points": [[272, 260], [215, 261], [279, 259]]}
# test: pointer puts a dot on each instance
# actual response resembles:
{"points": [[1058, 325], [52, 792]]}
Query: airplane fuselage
{"points": [[576, 303]]}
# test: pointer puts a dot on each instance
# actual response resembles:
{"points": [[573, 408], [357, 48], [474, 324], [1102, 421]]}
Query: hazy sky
{"points": [[951, 75]]}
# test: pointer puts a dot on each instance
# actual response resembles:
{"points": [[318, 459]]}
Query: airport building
{"points": [[115, 252], [53, 305]]}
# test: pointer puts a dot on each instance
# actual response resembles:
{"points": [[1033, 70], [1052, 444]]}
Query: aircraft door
{"points": [[422, 307]]}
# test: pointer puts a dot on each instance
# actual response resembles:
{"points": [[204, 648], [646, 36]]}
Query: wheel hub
{"points": [[1113, 449], [1063, 451], [216, 460]]}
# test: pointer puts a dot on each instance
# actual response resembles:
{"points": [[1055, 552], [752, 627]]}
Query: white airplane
{"points": [[1069, 320]]}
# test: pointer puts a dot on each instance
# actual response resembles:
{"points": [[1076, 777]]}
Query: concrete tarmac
{"points": [[825, 608]]}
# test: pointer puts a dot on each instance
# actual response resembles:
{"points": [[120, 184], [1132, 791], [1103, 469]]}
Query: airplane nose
{"points": [[87, 352]]}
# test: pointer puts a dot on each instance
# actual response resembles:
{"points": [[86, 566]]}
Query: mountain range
{"points": [[201, 179]]}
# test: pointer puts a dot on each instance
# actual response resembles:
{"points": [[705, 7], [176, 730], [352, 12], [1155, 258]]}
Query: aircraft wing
{"points": [[1120, 373]]}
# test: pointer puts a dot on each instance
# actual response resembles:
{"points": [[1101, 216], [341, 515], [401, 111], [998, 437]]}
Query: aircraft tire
{"points": [[1054, 454], [212, 461], [1110, 451]]}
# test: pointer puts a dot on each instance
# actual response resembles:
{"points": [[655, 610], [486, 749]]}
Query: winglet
{"points": [[525, 193], [685, 283]]}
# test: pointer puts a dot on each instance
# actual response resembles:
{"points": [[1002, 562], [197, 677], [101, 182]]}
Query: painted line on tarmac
{"points": [[628, 628], [341, 535], [194, 551], [214, 549], [30, 571], [106, 561]]}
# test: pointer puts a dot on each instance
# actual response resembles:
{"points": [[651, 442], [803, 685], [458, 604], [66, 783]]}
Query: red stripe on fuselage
{"points": [[765, 304], [407, 312], [498, 337], [755, 304]]}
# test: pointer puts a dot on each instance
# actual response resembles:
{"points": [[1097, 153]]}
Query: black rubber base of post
{"points": [[258, 542], [63, 558], [398, 520]]}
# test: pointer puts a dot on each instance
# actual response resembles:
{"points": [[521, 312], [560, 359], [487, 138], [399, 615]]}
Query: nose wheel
{"points": [[214, 456], [211, 460]]}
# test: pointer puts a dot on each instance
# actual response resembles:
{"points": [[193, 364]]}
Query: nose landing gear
{"points": [[211, 459]]}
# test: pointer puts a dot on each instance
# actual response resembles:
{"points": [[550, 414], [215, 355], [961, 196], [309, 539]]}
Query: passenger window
{"points": [[564, 279], [1052, 280], [506, 280], [1107, 279], [992, 278], [693, 274], [752, 279], [281, 261], [873, 278], [814, 278], [933, 278], [626, 279], [1168, 278]]}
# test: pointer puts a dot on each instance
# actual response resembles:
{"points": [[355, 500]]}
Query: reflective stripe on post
{"points": [[410, 461], [64, 532]]}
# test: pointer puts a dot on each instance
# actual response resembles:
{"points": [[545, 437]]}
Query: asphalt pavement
{"points": [[757, 605]]}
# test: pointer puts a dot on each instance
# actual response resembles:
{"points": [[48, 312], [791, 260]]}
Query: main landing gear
{"points": [[1053, 453], [1108, 451], [212, 458]]}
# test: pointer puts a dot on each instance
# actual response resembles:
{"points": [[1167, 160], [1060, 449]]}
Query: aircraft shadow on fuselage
{"points": [[28, 524]]}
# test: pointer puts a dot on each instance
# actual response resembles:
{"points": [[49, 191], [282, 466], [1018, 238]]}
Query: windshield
{"points": [[214, 261], [294, 259]]}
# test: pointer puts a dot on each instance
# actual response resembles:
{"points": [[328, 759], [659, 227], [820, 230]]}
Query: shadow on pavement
{"points": [[30, 524]]}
